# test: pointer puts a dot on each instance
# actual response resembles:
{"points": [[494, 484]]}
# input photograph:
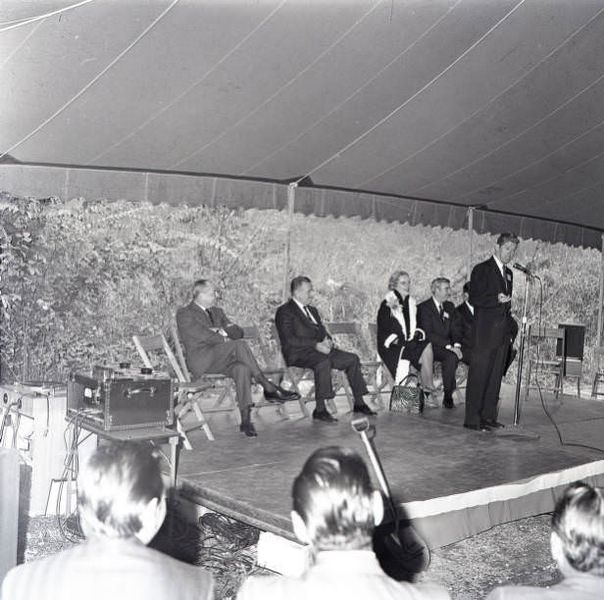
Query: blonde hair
{"points": [[393, 281]]}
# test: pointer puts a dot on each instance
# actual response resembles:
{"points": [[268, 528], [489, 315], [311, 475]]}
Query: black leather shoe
{"points": [[448, 403], [363, 409], [476, 427], [323, 415], [248, 428], [281, 395], [494, 424]]}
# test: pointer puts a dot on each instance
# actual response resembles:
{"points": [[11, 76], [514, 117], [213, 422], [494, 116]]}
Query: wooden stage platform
{"points": [[451, 481]]}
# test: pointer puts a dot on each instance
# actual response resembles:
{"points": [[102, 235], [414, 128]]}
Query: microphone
{"points": [[525, 270]]}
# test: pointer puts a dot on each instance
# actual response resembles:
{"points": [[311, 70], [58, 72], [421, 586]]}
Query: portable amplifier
{"points": [[120, 399]]}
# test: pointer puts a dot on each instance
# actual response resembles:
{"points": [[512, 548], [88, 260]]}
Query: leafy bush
{"points": [[80, 277]]}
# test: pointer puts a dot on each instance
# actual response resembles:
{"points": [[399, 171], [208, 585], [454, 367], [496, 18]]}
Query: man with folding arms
{"points": [[213, 344]]}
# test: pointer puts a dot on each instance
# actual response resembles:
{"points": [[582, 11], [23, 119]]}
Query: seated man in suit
{"points": [[121, 503], [577, 545], [213, 344], [335, 511], [306, 343], [436, 317], [465, 324]]}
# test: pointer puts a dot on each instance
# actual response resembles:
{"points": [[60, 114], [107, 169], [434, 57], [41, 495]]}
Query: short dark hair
{"points": [[506, 237], [297, 282], [114, 487], [578, 520], [333, 495], [436, 283], [466, 288], [199, 286]]}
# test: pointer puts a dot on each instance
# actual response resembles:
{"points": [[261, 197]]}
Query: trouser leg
{"points": [[493, 387], [351, 365], [448, 361]]}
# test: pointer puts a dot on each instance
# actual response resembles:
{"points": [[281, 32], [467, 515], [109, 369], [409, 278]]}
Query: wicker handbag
{"points": [[407, 396]]}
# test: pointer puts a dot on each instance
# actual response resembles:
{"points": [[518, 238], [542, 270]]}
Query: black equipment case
{"points": [[123, 399]]}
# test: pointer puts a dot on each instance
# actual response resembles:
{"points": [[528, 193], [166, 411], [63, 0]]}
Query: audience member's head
{"points": [[400, 282], [578, 529], [301, 288], [334, 505], [121, 493], [506, 247], [441, 288], [204, 293]]}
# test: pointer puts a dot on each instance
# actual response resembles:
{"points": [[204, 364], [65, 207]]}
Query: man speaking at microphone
{"points": [[491, 295]]}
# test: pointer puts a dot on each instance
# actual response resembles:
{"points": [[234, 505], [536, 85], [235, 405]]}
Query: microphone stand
{"points": [[516, 430]]}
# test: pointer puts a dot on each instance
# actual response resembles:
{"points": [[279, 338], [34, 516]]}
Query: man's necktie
{"points": [[309, 316], [441, 312], [210, 317]]}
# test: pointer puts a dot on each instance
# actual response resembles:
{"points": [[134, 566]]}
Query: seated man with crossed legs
{"points": [[213, 344]]}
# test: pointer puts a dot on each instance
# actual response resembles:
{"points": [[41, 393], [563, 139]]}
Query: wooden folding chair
{"points": [[299, 375], [383, 381], [599, 373], [187, 393], [351, 331], [546, 362]]}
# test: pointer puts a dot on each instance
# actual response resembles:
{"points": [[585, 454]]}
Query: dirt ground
{"points": [[512, 553]]}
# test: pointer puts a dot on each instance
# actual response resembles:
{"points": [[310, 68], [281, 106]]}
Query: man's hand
{"points": [[503, 298], [324, 346], [455, 351]]}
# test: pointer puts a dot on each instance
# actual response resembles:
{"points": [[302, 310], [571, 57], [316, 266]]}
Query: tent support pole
{"points": [[291, 202], [470, 240], [599, 335]]}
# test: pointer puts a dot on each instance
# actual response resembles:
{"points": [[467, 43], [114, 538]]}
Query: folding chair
{"points": [[383, 379], [187, 393], [299, 375], [547, 363], [351, 331], [599, 375]]}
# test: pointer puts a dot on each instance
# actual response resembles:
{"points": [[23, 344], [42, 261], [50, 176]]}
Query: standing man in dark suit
{"points": [[491, 286], [213, 344], [436, 317], [121, 505], [464, 322], [306, 343]]}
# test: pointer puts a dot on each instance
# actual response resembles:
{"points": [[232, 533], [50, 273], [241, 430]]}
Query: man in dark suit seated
{"points": [[213, 344], [436, 317], [121, 504], [306, 343], [465, 323], [335, 510]]}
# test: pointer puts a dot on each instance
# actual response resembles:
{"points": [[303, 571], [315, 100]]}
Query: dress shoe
{"points": [[448, 403], [494, 424], [280, 395], [476, 427], [323, 415], [363, 409], [248, 428]]}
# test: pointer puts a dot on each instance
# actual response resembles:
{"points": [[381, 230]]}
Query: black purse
{"points": [[407, 396]]}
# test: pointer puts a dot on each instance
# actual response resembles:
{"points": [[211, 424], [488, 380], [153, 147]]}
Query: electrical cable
{"points": [[538, 386]]}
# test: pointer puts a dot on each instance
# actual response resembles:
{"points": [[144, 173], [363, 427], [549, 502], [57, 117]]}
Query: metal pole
{"points": [[291, 202], [471, 240], [599, 334], [521, 353]]}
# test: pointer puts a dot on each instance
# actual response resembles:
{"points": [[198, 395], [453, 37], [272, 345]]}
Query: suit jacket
{"points": [[579, 586], [353, 574], [195, 332], [296, 331], [440, 332], [387, 325], [107, 569], [493, 322], [464, 322]]}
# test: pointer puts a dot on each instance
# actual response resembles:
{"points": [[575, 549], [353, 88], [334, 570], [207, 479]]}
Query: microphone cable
{"points": [[538, 386]]}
